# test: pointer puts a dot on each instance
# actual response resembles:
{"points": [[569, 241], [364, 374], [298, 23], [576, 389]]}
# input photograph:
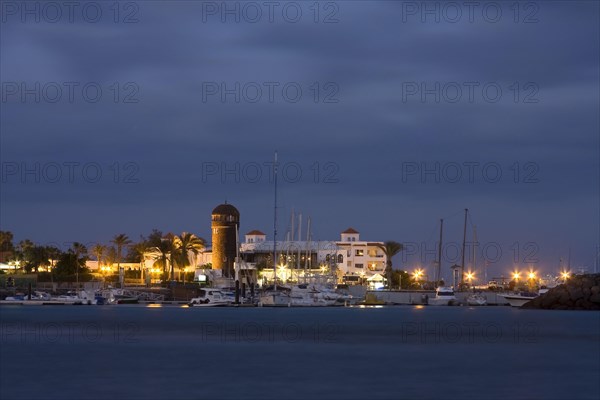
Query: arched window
{"points": [[340, 259]]}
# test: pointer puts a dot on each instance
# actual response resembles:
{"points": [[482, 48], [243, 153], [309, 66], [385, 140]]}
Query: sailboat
{"points": [[275, 295]]}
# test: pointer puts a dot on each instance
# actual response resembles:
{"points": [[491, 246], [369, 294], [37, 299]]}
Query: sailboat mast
{"points": [[462, 266], [293, 218], [439, 263], [275, 225], [308, 251], [474, 261], [237, 265], [299, 238]]}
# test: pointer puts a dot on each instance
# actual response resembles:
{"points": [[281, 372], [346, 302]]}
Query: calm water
{"points": [[138, 352]]}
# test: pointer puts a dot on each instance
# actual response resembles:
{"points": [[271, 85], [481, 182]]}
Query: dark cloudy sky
{"points": [[379, 104]]}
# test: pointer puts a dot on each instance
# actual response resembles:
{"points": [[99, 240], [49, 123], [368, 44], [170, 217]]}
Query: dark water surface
{"points": [[139, 352]]}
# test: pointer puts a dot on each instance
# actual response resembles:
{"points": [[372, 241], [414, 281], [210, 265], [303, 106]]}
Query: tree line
{"points": [[170, 252]]}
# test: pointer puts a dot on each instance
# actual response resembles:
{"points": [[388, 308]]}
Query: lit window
{"points": [[359, 253]]}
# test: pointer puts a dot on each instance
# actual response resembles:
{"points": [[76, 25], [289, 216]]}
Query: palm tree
{"points": [[164, 256], [164, 247], [390, 249], [38, 257], [54, 254], [121, 240], [182, 246], [140, 249], [79, 250], [98, 251]]}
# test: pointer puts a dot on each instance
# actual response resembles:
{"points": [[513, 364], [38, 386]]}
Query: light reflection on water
{"points": [[350, 353]]}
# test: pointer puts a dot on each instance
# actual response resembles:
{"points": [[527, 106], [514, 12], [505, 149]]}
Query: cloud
{"points": [[370, 133]]}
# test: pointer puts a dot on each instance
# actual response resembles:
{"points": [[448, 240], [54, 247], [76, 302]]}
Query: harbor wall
{"points": [[418, 296]]}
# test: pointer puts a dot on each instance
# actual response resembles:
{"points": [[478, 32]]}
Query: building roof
{"points": [[225, 209], [256, 232], [376, 278], [350, 230]]}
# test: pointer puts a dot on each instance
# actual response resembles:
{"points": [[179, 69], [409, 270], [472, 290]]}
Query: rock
{"points": [[587, 282], [547, 301], [563, 298], [587, 305], [595, 298], [581, 292], [575, 293]]}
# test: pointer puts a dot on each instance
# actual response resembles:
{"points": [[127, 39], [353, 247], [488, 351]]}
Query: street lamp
{"points": [[565, 275], [470, 277], [417, 274], [283, 274]]}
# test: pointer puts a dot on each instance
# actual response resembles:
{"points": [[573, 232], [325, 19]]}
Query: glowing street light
{"points": [[565, 275], [470, 276], [417, 274], [531, 275], [282, 272], [516, 275]]}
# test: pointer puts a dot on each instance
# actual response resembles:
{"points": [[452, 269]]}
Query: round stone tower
{"points": [[225, 222]]}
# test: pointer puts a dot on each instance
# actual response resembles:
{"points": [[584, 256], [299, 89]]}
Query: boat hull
{"points": [[517, 301], [476, 303], [275, 300], [441, 302], [212, 304], [476, 300]]}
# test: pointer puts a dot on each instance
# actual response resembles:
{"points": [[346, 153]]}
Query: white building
{"points": [[360, 258], [352, 258]]}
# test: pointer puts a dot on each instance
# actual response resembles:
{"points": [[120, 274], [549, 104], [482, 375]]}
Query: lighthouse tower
{"points": [[225, 222]]}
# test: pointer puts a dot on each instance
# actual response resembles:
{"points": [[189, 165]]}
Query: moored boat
{"points": [[210, 298], [304, 295], [476, 299], [519, 298], [444, 296], [275, 296]]}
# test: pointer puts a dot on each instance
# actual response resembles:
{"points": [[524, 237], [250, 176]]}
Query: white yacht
{"points": [[305, 295], [35, 296], [210, 298], [519, 298], [444, 296], [275, 296]]}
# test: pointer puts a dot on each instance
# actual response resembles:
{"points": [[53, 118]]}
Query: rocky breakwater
{"points": [[580, 292]]}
